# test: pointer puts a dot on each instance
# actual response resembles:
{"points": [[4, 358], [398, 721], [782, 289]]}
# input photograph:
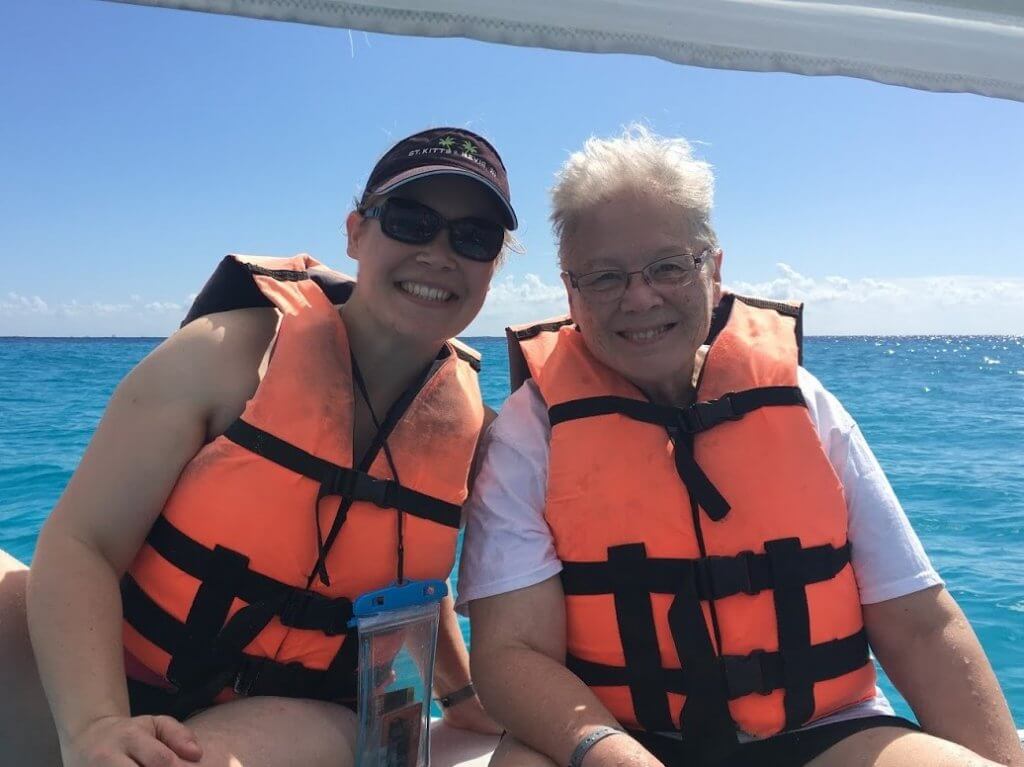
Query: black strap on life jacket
{"points": [[350, 484], [716, 577], [384, 429], [208, 649], [707, 728], [759, 672], [705, 723], [693, 419], [339, 480], [786, 569]]}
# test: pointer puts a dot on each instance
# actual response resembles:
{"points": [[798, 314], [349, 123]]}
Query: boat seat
{"points": [[451, 747]]}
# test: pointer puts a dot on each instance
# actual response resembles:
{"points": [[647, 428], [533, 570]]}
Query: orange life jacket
{"points": [[245, 582], [707, 572]]}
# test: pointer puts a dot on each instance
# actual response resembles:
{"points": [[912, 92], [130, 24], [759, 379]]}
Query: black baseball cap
{"points": [[442, 151]]}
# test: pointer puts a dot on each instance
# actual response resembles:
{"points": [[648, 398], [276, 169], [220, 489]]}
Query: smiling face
{"points": [[423, 293], [649, 336]]}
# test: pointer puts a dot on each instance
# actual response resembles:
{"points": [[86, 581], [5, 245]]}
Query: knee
{"points": [[13, 615], [26, 727], [320, 714], [283, 712], [276, 731]]}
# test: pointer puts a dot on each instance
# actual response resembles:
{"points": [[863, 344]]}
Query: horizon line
{"points": [[502, 337]]}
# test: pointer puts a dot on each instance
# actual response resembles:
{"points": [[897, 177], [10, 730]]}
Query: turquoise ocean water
{"points": [[945, 415]]}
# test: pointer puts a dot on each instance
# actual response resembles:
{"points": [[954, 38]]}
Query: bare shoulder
{"points": [[160, 416], [210, 366], [243, 333]]}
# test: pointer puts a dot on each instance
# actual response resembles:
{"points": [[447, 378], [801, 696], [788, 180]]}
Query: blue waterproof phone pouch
{"points": [[397, 629]]}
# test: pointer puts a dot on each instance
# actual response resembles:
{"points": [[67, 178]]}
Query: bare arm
{"points": [[518, 661], [156, 421], [930, 652], [451, 671]]}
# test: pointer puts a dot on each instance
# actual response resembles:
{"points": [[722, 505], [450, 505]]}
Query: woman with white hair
{"points": [[680, 547]]}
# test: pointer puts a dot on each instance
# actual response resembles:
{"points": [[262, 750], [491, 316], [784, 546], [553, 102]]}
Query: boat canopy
{"points": [[974, 46]]}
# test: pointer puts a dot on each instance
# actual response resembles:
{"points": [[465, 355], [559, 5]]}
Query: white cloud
{"points": [[162, 307], [34, 316], [514, 300], [791, 285], [14, 304], [530, 290], [952, 304], [835, 305], [94, 309]]}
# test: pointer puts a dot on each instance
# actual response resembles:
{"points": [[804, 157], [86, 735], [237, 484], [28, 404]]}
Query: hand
{"points": [[470, 715], [141, 741]]}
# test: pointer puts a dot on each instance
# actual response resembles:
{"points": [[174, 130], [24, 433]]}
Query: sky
{"points": [[138, 146]]}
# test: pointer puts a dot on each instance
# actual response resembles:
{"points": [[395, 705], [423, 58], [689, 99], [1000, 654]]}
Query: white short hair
{"points": [[638, 160]]}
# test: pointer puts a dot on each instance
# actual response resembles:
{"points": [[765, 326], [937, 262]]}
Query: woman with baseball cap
{"points": [[276, 458]]}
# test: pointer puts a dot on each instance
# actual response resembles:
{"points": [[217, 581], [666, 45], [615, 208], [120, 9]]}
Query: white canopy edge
{"points": [[974, 46]]}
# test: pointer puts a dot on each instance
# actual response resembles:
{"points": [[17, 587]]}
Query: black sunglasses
{"points": [[417, 224]]}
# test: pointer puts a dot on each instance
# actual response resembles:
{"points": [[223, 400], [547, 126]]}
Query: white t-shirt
{"points": [[508, 544]]}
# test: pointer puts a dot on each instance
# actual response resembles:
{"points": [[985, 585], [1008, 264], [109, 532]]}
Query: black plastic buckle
{"points": [[295, 606], [336, 481], [686, 421], [713, 412], [745, 675], [340, 611], [313, 611], [247, 675], [331, 616], [367, 488], [727, 576], [357, 485]]}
